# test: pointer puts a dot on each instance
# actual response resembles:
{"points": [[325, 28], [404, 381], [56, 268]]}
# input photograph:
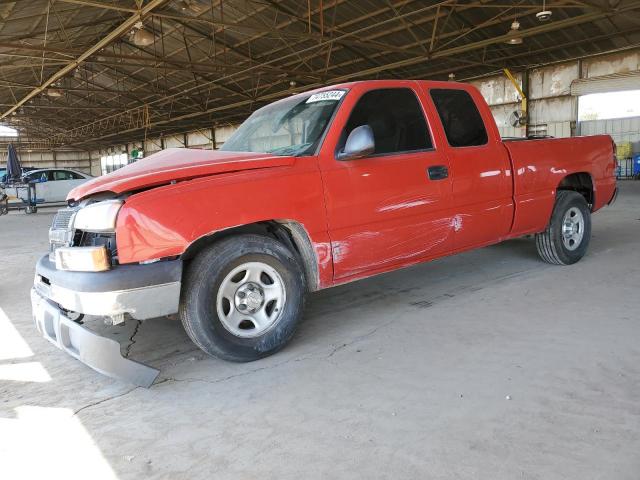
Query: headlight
{"points": [[98, 217]]}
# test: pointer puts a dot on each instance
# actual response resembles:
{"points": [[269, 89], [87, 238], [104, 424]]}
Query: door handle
{"points": [[438, 172]]}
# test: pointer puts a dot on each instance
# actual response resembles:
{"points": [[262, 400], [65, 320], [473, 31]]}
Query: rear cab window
{"points": [[460, 118], [395, 115]]}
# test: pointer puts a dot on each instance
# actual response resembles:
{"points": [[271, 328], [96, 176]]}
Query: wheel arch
{"points": [[290, 232], [580, 182]]}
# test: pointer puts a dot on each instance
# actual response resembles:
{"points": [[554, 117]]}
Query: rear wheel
{"points": [[242, 298], [566, 239]]}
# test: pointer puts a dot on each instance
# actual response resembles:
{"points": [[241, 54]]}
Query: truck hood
{"points": [[176, 164]]}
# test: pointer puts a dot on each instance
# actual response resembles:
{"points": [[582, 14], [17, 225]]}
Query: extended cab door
{"points": [[480, 168], [383, 210]]}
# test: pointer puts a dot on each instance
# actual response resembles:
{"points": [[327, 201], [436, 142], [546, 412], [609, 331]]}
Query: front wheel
{"points": [[566, 239], [242, 298]]}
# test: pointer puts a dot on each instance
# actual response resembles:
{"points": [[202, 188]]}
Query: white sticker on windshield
{"points": [[330, 95]]}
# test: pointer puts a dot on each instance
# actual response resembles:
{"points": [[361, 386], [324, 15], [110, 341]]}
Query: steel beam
{"points": [[107, 6]]}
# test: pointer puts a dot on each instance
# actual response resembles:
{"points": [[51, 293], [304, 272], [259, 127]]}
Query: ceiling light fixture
{"points": [[545, 14], [54, 92], [142, 37], [513, 36]]}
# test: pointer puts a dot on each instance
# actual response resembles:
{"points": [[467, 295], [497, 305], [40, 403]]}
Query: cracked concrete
{"points": [[132, 338], [405, 375], [104, 400]]}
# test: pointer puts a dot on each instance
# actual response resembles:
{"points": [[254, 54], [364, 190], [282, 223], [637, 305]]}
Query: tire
{"points": [[234, 274], [564, 246]]}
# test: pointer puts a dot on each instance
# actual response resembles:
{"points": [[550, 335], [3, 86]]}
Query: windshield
{"points": [[291, 127]]}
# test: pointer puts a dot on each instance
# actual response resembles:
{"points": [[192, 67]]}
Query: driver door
{"points": [[384, 211]]}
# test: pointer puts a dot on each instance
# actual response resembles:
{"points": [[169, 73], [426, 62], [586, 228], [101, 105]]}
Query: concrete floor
{"points": [[490, 364]]}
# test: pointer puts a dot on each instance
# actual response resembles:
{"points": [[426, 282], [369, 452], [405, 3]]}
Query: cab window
{"points": [[460, 117], [396, 118]]}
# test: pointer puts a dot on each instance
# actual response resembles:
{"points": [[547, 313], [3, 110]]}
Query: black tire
{"points": [[203, 279], [550, 244]]}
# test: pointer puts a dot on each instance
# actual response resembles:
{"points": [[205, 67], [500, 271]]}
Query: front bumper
{"points": [[142, 291], [100, 353]]}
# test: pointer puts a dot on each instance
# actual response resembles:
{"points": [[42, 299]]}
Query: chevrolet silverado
{"points": [[315, 190]]}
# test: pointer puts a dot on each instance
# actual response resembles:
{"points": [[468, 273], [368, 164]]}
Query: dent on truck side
{"points": [[165, 221]]}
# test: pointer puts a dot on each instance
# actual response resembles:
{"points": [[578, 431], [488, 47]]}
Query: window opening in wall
{"points": [[8, 131], [601, 106], [109, 163]]}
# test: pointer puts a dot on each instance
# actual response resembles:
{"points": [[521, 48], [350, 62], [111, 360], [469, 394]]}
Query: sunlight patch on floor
{"points": [[12, 345], [24, 372], [42, 442], [49, 443]]}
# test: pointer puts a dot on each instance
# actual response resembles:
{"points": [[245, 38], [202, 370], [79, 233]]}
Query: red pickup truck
{"points": [[315, 190]]}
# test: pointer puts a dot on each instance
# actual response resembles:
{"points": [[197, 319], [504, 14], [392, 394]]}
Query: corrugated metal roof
{"points": [[214, 61]]}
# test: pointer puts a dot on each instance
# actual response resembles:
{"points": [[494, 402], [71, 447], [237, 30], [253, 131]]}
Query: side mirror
{"points": [[360, 143]]}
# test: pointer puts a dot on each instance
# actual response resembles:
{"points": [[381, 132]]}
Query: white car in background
{"points": [[52, 184]]}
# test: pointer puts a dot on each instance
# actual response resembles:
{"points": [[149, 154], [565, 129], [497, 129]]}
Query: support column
{"points": [[526, 90]]}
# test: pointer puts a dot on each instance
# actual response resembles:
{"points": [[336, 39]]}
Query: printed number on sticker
{"points": [[331, 95]]}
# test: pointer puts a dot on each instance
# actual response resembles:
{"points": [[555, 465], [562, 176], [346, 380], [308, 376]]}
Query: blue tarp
{"points": [[14, 171]]}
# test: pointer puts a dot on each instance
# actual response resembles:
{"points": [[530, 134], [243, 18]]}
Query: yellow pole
{"points": [[515, 83]]}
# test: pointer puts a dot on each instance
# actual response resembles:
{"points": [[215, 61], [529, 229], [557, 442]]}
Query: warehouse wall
{"points": [[552, 108], [620, 129], [610, 64], [75, 159], [209, 139], [503, 99]]}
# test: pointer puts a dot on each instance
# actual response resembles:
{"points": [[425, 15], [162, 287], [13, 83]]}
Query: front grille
{"points": [[62, 220], [61, 232]]}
